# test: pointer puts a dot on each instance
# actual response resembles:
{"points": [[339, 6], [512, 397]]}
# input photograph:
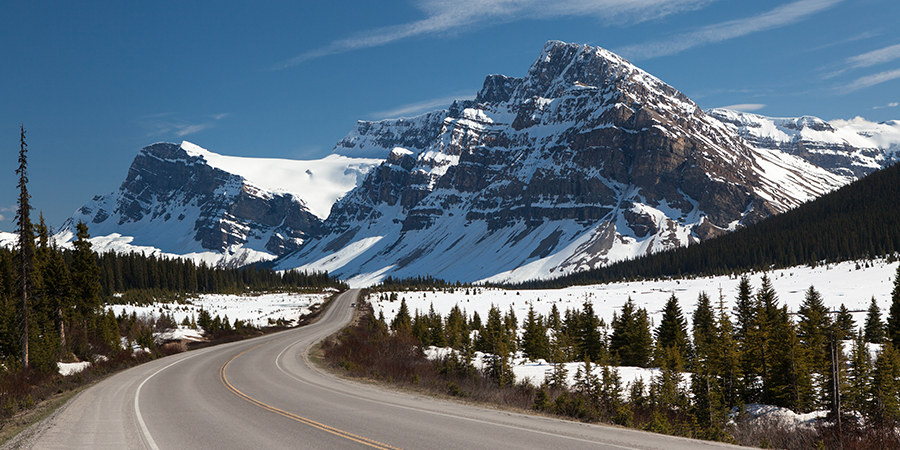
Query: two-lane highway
{"points": [[264, 393]]}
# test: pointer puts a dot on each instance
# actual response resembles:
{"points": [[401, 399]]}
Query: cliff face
{"points": [[585, 160], [173, 200]]}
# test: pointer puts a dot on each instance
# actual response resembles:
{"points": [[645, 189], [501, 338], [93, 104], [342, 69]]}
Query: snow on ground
{"points": [[66, 369], [536, 371], [839, 284], [256, 310]]}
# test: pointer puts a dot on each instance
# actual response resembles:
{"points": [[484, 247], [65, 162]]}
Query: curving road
{"points": [[264, 394]]}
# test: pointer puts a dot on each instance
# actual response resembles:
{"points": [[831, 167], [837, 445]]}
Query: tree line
{"points": [[756, 352]]}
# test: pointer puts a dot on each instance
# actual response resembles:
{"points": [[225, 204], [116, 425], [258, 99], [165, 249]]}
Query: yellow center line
{"points": [[312, 423]]}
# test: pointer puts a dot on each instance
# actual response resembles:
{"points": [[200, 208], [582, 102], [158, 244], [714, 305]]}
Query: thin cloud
{"points": [[872, 80], [889, 105], [166, 124], [875, 57], [868, 59], [745, 107], [781, 16], [444, 17], [413, 109]]}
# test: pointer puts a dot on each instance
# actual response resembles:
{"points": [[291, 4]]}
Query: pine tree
{"points": [[884, 390], [535, 343], [726, 359], [25, 245], [402, 323], [845, 323], [588, 338], [671, 333], [457, 329], [856, 397], [435, 328], [893, 320], [874, 327], [631, 339]]}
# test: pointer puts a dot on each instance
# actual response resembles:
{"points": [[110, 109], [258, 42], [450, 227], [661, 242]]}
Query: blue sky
{"points": [[95, 82]]}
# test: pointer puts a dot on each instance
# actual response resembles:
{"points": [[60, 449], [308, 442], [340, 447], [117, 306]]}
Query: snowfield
{"points": [[257, 310]]}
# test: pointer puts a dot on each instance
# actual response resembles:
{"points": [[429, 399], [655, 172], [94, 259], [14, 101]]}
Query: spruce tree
{"points": [[874, 328], [726, 359], [856, 397], [535, 343], [25, 245], [672, 333], [885, 387], [631, 340], [588, 339], [893, 320], [402, 323]]}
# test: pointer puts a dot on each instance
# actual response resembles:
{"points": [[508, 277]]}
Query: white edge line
{"points": [[145, 432]]}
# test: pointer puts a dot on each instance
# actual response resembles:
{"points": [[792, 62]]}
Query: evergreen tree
{"points": [[845, 323], [856, 397], [885, 388], [704, 328], [672, 333], [456, 330], [85, 273], [402, 323], [535, 342], [588, 338], [25, 245], [789, 383], [893, 320], [631, 340], [435, 328], [874, 327], [726, 359]]}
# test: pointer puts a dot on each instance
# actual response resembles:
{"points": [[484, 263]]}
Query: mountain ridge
{"points": [[585, 160]]}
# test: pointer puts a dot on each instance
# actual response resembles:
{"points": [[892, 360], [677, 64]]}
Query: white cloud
{"points": [[781, 16], [869, 59], [444, 16], [872, 80], [413, 109], [167, 124], [2, 217], [889, 105], [875, 57], [745, 107]]}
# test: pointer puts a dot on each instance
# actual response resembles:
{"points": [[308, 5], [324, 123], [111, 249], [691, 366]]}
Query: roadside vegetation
{"points": [[709, 374]]}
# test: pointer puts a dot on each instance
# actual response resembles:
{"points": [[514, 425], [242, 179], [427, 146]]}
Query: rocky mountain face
{"points": [[174, 201], [585, 160], [852, 148]]}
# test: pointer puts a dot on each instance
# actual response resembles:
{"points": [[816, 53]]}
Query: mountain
{"points": [[185, 200], [860, 221], [585, 160], [851, 148]]}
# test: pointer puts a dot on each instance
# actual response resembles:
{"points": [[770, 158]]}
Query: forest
{"points": [[754, 353]]}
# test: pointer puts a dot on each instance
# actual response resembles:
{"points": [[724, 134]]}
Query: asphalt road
{"points": [[264, 394]]}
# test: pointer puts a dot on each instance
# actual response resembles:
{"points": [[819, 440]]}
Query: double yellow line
{"points": [[281, 412]]}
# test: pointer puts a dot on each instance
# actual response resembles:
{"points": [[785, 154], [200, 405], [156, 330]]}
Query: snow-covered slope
{"points": [[853, 147], [585, 160], [187, 201]]}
